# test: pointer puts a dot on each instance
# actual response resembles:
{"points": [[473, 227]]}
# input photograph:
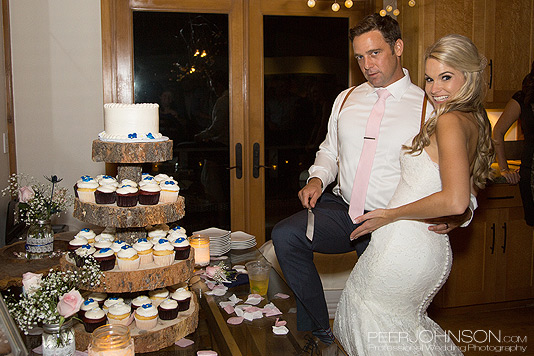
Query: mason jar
{"points": [[59, 341], [111, 340], [39, 240]]}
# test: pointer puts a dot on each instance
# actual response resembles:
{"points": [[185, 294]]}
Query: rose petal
{"points": [[229, 309], [281, 296], [251, 309], [279, 322], [225, 304], [235, 320], [235, 299], [184, 342], [206, 353], [280, 330], [253, 299]]}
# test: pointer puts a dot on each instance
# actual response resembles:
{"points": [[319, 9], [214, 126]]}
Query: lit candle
{"points": [[111, 340], [201, 247]]}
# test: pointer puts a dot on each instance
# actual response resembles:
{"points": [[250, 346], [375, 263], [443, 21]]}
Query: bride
{"points": [[382, 310]]}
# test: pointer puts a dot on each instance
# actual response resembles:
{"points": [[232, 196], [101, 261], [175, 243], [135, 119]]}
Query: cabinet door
{"points": [[472, 278], [515, 268]]}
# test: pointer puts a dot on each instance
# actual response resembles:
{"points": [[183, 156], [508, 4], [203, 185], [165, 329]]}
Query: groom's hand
{"points": [[445, 224], [310, 193]]}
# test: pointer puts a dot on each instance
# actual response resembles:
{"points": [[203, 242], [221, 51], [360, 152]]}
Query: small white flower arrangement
{"points": [[52, 298], [37, 201]]}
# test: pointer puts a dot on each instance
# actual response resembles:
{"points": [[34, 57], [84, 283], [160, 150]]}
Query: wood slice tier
{"points": [[137, 216], [147, 278], [132, 152], [166, 333]]}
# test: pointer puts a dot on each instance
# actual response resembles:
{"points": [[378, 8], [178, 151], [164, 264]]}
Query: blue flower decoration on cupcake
{"points": [[148, 178], [178, 228], [125, 247], [132, 135], [85, 229], [86, 178], [170, 182], [146, 306], [88, 301], [179, 240], [113, 298], [162, 241], [150, 136], [142, 239], [86, 246], [105, 249]]}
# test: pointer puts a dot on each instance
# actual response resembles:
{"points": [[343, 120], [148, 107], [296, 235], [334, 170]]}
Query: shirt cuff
{"points": [[472, 206], [320, 176]]}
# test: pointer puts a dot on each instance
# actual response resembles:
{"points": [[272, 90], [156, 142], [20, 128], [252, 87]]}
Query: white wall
{"points": [[57, 80], [4, 158]]}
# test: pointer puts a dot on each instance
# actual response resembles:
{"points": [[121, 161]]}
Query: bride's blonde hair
{"points": [[460, 53]]}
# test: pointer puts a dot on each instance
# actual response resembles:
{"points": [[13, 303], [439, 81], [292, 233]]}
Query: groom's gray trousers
{"points": [[332, 228]]}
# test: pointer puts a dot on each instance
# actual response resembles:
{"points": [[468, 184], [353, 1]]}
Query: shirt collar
{"points": [[397, 89]]}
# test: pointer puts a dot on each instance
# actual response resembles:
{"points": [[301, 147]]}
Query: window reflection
{"points": [[181, 63]]}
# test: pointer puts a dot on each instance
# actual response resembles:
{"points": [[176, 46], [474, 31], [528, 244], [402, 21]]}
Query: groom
{"points": [[326, 225]]}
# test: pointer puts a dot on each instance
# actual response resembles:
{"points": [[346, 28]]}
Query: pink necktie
{"points": [[370, 140]]}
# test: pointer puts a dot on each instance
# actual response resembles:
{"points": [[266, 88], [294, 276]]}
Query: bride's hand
{"points": [[370, 222]]}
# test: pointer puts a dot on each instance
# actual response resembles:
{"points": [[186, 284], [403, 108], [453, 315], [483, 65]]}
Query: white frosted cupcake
{"points": [[129, 182], [128, 259], [169, 191], [183, 297], [119, 313], [106, 180], [102, 244], [158, 295], [161, 178], [105, 236], [181, 248], [106, 258], [127, 196], [77, 242], [81, 254], [117, 245], [149, 194], [168, 309], [155, 235], [93, 319], [146, 317], [87, 305], [162, 226], [144, 250], [108, 303], [140, 300], [99, 297], [88, 234], [86, 188], [106, 194], [163, 254], [148, 179]]}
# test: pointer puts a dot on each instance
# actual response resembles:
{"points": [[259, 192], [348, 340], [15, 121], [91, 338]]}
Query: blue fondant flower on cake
{"points": [[146, 306], [132, 135], [142, 239], [179, 240], [125, 247], [86, 179], [150, 136], [85, 229]]}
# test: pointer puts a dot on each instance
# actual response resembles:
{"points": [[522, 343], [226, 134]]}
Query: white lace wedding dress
{"points": [[382, 310]]}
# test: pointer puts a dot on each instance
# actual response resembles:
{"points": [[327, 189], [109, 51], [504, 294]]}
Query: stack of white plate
{"points": [[219, 240], [241, 240]]}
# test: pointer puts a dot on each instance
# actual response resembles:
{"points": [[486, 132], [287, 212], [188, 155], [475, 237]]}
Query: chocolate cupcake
{"points": [[99, 297], [127, 196], [106, 258], [94, 318], [106, 194], [76, 243], [168, 309], [149, 194], [183, 297], [181, 248], [87, 305], [81, 254]]}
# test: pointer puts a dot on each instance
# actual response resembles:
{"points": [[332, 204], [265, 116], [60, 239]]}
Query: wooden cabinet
{"points": [[502, 30], [493, 257]]}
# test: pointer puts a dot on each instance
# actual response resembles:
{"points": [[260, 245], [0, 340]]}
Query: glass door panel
{"points": [[306, 66], [181, 63]]}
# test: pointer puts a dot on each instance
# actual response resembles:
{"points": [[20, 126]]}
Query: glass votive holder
{"points": [[201, 248], [111, 340]]}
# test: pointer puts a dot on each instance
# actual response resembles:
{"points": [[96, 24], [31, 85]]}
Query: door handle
{"points": [[504, 243], [492, 247], [238, 161], [491, 73], [256, 161]]}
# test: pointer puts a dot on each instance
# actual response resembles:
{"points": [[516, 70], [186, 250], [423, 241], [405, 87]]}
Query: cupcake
{"points": [[161, 178], [87, 305], [147, 180], [129, 182], [86, 189], [82, 178], [149, 194], [157, 234], [181, 248], [168, 309], [144, 250], [183, 297], [146, 317], [94, 318], [106, 258], [169, 191], [105, 236], [117, 245], [119, 313], [102, 244], [106, 194], [163, 254], [106, 180], [88, 234], [111, 301], [99, 297], [178, 229], [127, 196], [128, 259], [81, 254], [162, 226], [140, 300], [145, 176], [158, 295], [76, 243]]}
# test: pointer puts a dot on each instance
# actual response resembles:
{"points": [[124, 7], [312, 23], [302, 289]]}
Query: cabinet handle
{"points": [[504, 244], [238, 161], [492, 247], [491, 73]]}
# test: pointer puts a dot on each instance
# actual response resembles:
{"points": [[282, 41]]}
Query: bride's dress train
{"points": [[382, 310]]}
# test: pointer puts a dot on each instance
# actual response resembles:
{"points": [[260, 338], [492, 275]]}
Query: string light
{"points": [[396, 12], [335, 7], [311, 3], [411, 3], [348, 4]]}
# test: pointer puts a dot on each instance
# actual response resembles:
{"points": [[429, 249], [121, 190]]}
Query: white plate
{"points": [[213, 232], [240, 236]]}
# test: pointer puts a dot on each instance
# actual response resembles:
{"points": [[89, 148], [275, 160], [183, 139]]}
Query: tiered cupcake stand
{"points": [[130, 224]]}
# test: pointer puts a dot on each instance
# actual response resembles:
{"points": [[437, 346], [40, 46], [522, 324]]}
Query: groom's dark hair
{"points": [[387, 25]]}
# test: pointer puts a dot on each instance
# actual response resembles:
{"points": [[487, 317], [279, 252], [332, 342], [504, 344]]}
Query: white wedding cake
{"points": [[131, 123]]}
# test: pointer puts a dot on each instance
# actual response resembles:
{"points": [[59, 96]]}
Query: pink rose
{"points": [[211, 271], [26, 194], [69, 303], [31, 282]]}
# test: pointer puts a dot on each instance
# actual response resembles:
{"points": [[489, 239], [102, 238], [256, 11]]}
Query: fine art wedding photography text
{"points": [[36, 203]]}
